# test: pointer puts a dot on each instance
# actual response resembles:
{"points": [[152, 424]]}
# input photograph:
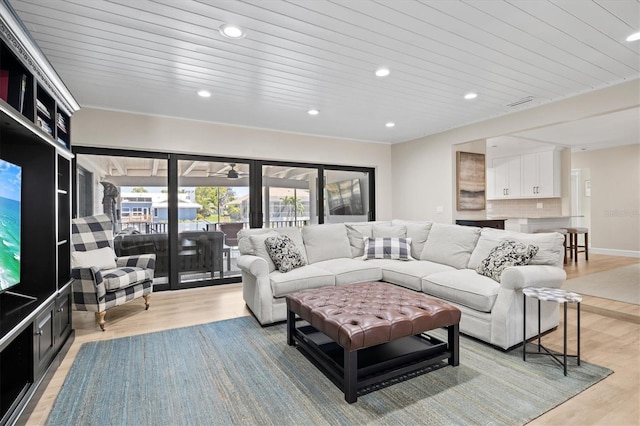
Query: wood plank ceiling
{"points": [[152, 56]]}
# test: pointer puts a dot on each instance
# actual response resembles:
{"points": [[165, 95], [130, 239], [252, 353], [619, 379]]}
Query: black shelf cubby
{"points": [[38, 210], [63, 129], [16, 373], [45, 111], [16, 84], [63, 182]]}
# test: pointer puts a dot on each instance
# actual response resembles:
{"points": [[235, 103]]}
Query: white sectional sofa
{"points": [[446, 257]]}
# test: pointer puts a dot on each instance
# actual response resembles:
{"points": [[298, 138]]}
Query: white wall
{"points": [[423, 175], [110, 129], [615, 198]]}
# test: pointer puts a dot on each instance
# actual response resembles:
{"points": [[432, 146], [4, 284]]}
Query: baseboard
{"points": [[615, 252], [622, 316]]}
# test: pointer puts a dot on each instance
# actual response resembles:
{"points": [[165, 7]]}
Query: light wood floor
{"points": [[607, 340]]}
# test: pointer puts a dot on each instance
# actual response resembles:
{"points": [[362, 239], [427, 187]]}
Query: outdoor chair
{"points": [[230, 231], [102, 280]]}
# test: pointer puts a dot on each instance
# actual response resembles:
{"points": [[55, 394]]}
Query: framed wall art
{"points": [[470, 180]]}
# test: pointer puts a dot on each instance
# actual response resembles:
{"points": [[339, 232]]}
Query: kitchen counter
{"points": [[533, 224], [520, 224], [482, 223]]}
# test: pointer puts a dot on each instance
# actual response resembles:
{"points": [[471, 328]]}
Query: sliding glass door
{"points": [[294, 195], [289, 196], [133, 191], [188, 210], [348, 196], [212, 206]]}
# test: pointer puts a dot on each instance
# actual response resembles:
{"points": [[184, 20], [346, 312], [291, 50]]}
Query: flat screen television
{"points": [[345, 198], [10, 224]]}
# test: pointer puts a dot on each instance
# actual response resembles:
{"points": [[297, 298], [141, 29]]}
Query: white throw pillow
{"points": [[327, 241], [104, 258], [418, 232], [450, 244], [258, 248], [356, 233], [550, 246], [389, 231]]}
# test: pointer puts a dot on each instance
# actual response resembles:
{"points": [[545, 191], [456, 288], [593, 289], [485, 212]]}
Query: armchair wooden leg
{"points": [[147, 297], [101, 321]]}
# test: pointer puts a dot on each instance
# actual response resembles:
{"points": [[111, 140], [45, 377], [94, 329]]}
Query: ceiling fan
{"points": [[231, 173]]}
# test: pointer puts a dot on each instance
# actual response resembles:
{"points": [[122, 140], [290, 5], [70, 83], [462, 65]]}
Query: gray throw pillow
{"points": [[507, 253], [284, 253]]}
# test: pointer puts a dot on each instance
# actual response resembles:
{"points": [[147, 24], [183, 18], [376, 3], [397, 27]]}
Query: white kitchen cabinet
{"points": [[505, 178], [541, 174]]}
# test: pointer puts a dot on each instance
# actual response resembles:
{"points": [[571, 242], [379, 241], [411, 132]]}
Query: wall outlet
{"points": [[439, 209], [539, 205]]}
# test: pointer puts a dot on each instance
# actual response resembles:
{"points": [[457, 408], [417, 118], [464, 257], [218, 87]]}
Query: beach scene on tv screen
{"points": [[10, 183]]}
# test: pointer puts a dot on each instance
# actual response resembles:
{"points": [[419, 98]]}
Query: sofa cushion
{"points": [[450, 244], [550, 246], [327, 241], [258, 248], [348, 271], [103, 258], [389, 231], [244, 242], [245, 246], [463, 286], [115, 279], [301, 278], [284, 253], [507, 253], [387, 248], [408, 274], [418, 232], [357, 232]]}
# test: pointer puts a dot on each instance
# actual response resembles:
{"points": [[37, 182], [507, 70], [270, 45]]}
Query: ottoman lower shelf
{"points": [[373, 365]]}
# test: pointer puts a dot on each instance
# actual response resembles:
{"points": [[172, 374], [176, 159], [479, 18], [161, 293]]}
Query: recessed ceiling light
{"points": [[634, 37], [204, 93], [232, 31], [471, 95], [382, 72], [313, 112], [390, 124]]}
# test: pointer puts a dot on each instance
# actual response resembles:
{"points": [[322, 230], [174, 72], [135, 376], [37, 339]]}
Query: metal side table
{"points": [[550, 295]]}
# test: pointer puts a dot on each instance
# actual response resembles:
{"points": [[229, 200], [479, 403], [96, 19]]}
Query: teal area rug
{"points": [[236, 372]]}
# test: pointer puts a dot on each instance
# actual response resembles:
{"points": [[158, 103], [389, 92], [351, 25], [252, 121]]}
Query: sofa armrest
{"points": [[519, 277], [147, 261], [253, 265], [256, 287]]}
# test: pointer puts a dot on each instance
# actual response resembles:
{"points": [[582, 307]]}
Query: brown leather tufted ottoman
{"points": [[363, 334]]}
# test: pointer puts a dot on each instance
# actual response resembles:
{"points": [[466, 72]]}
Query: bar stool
{"points": [[573, 242], [562, 231]]}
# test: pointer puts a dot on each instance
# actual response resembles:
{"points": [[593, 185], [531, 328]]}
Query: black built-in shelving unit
{"points": [[35, 317]]}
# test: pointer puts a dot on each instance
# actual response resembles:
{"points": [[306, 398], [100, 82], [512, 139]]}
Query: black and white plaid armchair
{"points": [[102, 280]]}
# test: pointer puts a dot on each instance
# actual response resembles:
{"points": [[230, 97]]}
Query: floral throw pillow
{"points": [[284, 253], [507, 253]]}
